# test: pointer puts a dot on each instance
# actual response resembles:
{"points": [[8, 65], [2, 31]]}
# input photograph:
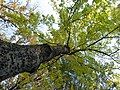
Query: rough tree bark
{"points": [[15, 59]]}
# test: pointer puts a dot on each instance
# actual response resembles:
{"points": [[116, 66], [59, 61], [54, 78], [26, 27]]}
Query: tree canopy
{"points": [[91, 31]]}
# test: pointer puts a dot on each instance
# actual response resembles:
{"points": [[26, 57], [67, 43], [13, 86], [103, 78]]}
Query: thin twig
{"points": [[7, 20], [101, 52], [87, 66], [8, 8], [68, 38], [113, 37], [103, 37], [114, 51]]}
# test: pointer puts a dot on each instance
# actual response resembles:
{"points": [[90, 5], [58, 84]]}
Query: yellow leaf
{"points": [[22, 8], [32, 39]]}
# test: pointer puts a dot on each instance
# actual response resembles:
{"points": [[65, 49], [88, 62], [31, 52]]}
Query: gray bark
{"points": [[15, 59]]}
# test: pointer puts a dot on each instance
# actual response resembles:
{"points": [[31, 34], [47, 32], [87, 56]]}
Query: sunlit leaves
{"points": [[24, 32], [64, 15], [58, 36], [33, 20], [87, 24], [48, 20], [96, 1], [116, 13], [84, 24]]}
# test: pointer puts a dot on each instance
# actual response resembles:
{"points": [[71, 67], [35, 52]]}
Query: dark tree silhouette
{"points": [[15, 59]]}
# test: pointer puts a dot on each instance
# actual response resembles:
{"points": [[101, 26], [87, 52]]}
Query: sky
{"points": [[42, 6], [45, 7]]}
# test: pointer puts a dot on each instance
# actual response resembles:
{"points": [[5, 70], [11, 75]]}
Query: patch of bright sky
{"points": [[45, 7]]}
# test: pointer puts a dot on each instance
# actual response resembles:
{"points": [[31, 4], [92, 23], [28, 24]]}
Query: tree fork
{"points": [[15, 59]]}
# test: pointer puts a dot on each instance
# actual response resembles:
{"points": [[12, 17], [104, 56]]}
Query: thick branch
{"points": [[89, 50], [77, 50], [103, 36], [15, 59], [104, 53]]}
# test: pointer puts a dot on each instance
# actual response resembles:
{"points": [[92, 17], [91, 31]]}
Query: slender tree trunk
{"points": [[15, 59]]}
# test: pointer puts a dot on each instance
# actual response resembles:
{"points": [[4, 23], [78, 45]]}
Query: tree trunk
{"points": [[15, 59]]}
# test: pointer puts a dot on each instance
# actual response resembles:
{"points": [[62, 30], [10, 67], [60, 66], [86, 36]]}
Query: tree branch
{"points": [[115, 51], [7, 20], [8, 8], [113, 37], [103, 36], [87, 66], [100, 52], [109, 55], [77, 50], [68, 38]]}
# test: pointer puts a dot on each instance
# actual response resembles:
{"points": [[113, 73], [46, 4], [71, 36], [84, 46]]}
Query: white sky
{"points": [[43, 6]]}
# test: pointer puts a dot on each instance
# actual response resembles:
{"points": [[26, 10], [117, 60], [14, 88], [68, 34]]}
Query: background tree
{"points": [[90, 30]]}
